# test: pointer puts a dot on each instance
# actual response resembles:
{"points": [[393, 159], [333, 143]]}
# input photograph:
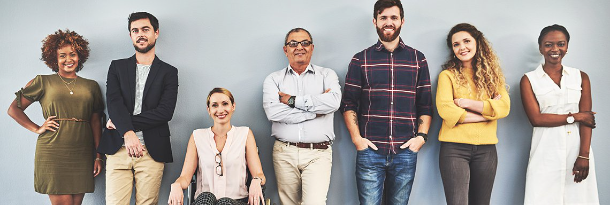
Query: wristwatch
{"points": [[423, 135], [570, 118], [291, 101]]}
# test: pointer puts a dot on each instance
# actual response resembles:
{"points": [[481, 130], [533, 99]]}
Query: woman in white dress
{"points": [[557, 101]]}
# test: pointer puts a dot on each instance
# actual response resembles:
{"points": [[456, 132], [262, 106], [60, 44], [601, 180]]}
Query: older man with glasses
{"points": [[300, 100]]}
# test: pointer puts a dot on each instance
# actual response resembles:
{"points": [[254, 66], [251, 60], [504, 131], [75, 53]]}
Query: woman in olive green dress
{"points": [[72, 106]]}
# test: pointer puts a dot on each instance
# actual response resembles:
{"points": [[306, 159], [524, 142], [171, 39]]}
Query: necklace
{"points": [[66, 83]]}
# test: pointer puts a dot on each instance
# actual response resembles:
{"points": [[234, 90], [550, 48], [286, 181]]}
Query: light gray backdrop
{"points": [[236, 44]]}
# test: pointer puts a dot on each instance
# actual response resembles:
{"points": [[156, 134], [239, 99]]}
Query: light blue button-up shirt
{"points": [[311, 120]]}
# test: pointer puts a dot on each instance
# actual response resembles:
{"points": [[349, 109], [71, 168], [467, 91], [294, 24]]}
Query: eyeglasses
{"points": [[293, 44], [219, 164]]}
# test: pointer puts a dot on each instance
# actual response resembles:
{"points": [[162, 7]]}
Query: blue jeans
{"points": [[372, 170]]}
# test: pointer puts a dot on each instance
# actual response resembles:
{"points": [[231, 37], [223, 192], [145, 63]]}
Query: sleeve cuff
{"points": [[487, 110], [301, 101]]}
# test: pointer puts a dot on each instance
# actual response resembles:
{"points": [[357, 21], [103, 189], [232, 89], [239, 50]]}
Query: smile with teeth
{"points": [[221, 116], [554, 55]]}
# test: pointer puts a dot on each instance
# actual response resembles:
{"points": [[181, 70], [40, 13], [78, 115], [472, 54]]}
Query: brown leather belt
{"points": [[71, 119], [321, 145]]}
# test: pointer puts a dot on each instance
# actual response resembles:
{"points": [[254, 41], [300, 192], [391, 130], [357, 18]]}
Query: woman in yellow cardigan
{"points": [[471, 97]]}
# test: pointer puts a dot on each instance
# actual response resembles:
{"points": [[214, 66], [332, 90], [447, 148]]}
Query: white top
{"points": [[311, 120], [233, 182], [554, 150]]}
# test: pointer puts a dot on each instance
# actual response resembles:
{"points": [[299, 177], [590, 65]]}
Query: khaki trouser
{"points": [[122, 170], [303, 174]]}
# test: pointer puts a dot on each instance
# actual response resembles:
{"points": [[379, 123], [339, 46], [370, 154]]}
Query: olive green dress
{"points": [[64, 159]]}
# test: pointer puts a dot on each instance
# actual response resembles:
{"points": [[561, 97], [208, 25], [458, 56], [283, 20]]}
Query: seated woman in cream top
{"points": [[221, 152]]}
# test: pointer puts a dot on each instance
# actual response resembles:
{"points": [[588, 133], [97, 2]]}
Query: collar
{"points": [[379, 46], [540, 71], [308, 69]]}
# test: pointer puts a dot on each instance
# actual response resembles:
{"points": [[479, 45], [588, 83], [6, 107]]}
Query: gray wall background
{"points": [[236, 44]]}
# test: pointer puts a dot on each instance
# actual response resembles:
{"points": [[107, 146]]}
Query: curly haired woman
{"points": [[471, 97], [72, 106]]}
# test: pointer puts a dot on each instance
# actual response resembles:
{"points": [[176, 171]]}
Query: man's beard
{"points": [[145, 49], [385, 38]]}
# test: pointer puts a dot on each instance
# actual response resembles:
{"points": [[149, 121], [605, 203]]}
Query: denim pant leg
{"points": [[370, 176], [400, 175]]}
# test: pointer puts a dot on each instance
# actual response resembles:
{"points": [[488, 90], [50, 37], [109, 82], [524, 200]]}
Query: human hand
{"points": [[97, 167], [458, 102], [176, 195], [284, 97], [110, 125], [587, 118], [255, 194], [580, 170], [133, 145], [414, 144], [327, 90], [362, 143], [497, 97], [48, 124]]}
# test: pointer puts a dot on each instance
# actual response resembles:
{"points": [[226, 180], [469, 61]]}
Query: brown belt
{"points": [[321, 145], [71, 119]]}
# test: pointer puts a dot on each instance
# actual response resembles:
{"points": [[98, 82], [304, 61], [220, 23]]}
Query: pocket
{"points": [[573, 93], [546, 97], [365, 149]]}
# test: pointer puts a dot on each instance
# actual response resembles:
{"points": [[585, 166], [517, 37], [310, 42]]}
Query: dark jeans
{"points": [[394, 171], [468, 172]]}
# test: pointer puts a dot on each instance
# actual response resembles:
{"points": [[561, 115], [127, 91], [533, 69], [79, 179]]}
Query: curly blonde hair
{"points": [[59, 39], [488, 77]]}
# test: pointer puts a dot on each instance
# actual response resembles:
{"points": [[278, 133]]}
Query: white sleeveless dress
{"points": [[554, 150]]}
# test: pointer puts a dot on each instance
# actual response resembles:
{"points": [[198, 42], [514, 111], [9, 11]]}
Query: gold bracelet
{"points": [[583, 157], [99, 159]]}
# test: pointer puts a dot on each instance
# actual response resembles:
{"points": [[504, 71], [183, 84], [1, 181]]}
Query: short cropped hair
{"points": [[554, 27], [143, 15], [381, 5], [294, 30]]}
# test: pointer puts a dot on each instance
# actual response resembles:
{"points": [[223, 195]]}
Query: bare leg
{"points": [[63, 199]]}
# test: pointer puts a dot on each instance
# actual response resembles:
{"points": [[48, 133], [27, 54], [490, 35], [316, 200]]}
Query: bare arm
{"points": [[537, 119], [416, 143], [176, 195], [18, 114], [581, 165], [351, 122], [256, 169], [96, 128]]}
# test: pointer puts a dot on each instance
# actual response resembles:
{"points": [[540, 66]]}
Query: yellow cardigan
{"points": [[452, 129]]}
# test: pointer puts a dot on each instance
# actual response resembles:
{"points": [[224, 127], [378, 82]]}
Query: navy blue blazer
{"points": [[158, 104]]}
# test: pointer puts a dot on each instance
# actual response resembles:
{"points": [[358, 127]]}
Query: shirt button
{"points": [[391, 103]]}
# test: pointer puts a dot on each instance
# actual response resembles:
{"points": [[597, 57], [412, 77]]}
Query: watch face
{"points": [[570, 119]]}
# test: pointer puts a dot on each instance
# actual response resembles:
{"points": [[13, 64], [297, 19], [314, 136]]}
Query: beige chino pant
{"points": [[121, 172], [303, 174]]}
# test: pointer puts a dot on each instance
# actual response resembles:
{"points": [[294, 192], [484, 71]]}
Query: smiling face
{"points": [[553, 47], [67, 60], [464, 47], [143, 35], [220, 108], [298, 56], [388, 24]]}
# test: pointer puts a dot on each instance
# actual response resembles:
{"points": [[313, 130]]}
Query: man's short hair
{"points": [[143, 15], [384, 4], [294, 30]]}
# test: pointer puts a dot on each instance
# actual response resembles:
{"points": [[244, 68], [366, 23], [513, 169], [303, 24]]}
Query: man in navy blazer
{"points": [[141, 97]]}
